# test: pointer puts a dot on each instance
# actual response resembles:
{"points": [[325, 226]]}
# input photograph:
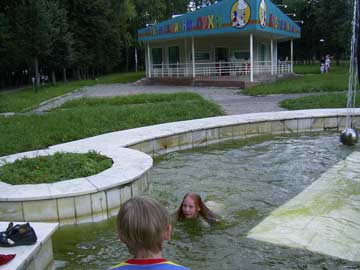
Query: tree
{"points": [[339, 15], [13, 58], [96, 36], [60, 54], [307, 47], [5, 44], [34, 28]]}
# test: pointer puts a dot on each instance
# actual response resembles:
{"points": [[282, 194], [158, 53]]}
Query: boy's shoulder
{"points": [[150, 264], [176, 266]]}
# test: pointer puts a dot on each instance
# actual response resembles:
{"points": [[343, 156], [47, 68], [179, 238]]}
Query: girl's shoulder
{"points": [[215, 207]]}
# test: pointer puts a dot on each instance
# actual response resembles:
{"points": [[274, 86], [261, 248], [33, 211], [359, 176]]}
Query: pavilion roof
{"points": [[226, 17]]}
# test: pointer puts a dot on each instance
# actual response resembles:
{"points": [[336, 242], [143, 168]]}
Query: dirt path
{"points": [[231, 100]]}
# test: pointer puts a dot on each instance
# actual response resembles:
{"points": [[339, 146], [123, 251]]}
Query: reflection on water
{"points": [[250, 178]]}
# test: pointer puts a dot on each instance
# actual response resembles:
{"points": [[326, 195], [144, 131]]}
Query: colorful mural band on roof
{"points": [[262, 13], [279, 24], [201, 23], [240, 14]]}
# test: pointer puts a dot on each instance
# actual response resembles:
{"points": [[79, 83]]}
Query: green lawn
{"points": [[85, 118], [54, 168], [329, 100], [27, 98], [305, 82], [307, 69]]}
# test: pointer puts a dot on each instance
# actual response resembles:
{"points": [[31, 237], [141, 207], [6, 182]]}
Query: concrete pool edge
{"points": [[82, 200], [323, 218]]}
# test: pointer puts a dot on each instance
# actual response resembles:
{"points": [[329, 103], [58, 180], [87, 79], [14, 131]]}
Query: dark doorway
{"points": [[221, 54]]}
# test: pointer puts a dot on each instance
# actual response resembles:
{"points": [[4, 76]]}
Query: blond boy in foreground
{"points": [[143, 224]]}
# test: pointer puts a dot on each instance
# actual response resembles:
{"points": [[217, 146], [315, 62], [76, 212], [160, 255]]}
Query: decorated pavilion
{"points": [[237, 38]]}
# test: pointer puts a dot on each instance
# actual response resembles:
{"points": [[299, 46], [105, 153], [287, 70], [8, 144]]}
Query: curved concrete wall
{"points": [[99, 197]]}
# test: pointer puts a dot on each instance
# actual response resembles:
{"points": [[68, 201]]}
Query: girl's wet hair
{"points": [[204, 212]]}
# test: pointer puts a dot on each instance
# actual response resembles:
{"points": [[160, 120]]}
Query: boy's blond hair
{"points": [[141, 225]]}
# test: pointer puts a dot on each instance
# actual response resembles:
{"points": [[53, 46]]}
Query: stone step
{"points": [[223, 81]]}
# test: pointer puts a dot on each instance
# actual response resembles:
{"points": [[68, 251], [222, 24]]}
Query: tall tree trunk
{"points": [[37, 75], [136, 60], [127, 58], [337, 58], [64, 75], [53, 77], [93, 76], [2, 81]]}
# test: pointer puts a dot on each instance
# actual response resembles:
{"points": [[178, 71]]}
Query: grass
{"points": [[53, 168], [26, 98], [307, 82], [307, 69], [85, 118], [121, 77], [330, 100]]}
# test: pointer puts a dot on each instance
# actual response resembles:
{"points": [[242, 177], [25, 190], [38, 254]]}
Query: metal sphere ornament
{"points": [[349, 136]]}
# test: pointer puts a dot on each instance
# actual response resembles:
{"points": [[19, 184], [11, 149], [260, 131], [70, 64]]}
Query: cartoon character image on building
{"points": [[240, 14], [262, 13]]}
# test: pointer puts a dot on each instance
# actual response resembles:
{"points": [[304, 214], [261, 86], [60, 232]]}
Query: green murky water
{"points": [[249, 178]]}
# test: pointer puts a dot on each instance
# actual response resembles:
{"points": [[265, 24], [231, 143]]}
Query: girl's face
{"points": [[189, 208]]}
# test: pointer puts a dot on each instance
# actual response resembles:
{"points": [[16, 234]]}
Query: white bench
{"points": [[38, 256]]}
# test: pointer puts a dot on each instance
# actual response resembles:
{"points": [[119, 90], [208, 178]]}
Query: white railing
{"points": [[284, 67], [208, 69]]}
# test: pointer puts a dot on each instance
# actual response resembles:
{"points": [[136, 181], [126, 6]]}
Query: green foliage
{"points": [[134, 99], [89, 38], [29, 132], [335, 80], [34, 28], [121, 77], [5, 40], [337, 37], [323, 19], [25, 99], [96, 33], [307, 69], [62, 39], [318, 102], [53, 168]]}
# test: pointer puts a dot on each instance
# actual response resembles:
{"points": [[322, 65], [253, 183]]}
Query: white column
{"points": [[272, 56], [292, 55], [193, 56], [251, 58], [149, 59]]}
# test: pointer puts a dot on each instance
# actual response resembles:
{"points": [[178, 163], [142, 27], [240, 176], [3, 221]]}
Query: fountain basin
{"points": [[83, 200]]}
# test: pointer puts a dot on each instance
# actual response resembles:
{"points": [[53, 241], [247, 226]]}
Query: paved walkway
{"points": [[231, 100]]}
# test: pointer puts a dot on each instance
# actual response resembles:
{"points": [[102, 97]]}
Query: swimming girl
{"points": [[193, 207]]}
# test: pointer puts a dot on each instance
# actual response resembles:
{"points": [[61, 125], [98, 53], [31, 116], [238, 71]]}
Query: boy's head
{"points": [[143, 224]]}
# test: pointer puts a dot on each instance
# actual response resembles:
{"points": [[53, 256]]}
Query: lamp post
{"points": [[285, 6], [322, 42], [290, 14]]}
